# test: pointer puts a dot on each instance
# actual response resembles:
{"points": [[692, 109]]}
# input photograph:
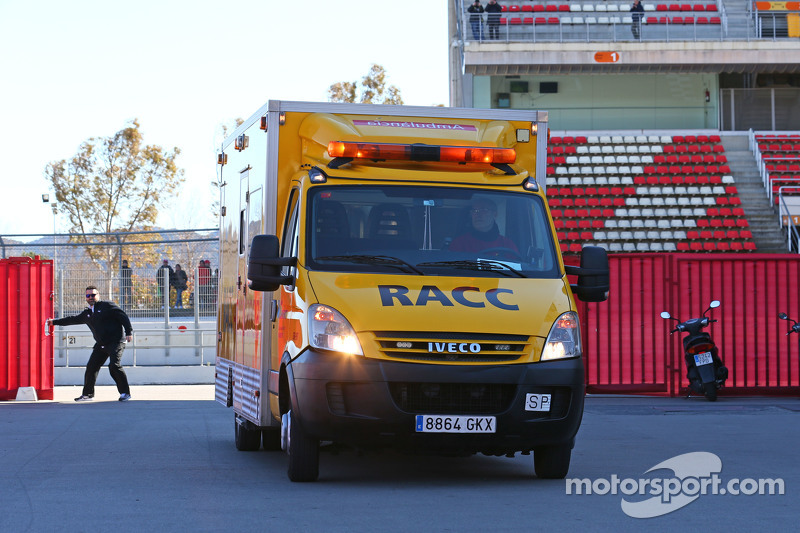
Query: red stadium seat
{"points": [[723, 246], [750, 246]]}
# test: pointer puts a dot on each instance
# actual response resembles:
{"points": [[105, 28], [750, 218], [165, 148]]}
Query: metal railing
{"points": [[204, 339], [613, 26], [792, 235]]}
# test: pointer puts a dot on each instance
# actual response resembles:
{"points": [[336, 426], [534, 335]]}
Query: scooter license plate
{"points": [[703, 359]]}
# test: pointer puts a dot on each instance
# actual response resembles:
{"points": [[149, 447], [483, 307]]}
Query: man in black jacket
{"points": [[107, 322], [637, 13], [494, 10]]}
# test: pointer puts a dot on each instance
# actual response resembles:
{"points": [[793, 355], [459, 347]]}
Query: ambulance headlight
{"points": [[329, 330], [564, 340]]}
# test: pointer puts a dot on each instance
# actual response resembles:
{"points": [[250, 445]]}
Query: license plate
{"points": [[703, 359], [537, 402], [455, 424]]}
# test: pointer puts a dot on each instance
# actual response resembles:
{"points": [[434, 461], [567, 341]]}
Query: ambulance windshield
{"points": [[439, 231]]}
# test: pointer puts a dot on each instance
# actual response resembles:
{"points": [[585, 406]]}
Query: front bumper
{"points": [[368, 403]]}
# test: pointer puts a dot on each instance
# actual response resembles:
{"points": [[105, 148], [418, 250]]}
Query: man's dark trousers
{"points": [[96, 362]]}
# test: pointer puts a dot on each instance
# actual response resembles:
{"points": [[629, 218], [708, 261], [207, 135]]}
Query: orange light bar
{"points": [[422, 152]]}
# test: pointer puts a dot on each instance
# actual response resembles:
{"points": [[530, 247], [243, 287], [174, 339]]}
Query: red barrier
{"points": [[628, 345], [25, 304]]}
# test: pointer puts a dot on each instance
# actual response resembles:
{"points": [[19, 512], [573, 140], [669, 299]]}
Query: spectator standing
{"points": [[163, 273], [475, 19], [203, 283], [126, 284], [637, 13], [494, 10], [107, 322], [181, 283]]}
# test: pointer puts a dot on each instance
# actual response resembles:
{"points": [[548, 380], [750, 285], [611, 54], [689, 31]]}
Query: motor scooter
{"points": [[704, 368]]}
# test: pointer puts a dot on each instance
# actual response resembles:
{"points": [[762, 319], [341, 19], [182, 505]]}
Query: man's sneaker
{"points": [[84, 398], [124, 397]]}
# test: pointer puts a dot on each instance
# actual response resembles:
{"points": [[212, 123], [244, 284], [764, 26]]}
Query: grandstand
{"points": [[683, 138]]}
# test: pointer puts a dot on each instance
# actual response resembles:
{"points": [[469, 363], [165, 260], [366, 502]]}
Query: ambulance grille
{"points": [[452, 347], [452, 398]]}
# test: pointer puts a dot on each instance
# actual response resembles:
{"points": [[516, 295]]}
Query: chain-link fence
{"points": [[148, 273]]}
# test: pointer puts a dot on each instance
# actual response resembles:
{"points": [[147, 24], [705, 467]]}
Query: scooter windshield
{"points": [[443, 231]]}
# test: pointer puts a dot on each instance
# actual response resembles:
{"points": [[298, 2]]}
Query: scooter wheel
{"points": [[711, 393]]}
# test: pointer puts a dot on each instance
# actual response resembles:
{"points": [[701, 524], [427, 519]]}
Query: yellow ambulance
{"points": [[390, 277]]}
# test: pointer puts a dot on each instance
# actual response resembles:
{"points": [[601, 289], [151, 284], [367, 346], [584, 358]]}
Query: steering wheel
{"points": [[506, 253]]}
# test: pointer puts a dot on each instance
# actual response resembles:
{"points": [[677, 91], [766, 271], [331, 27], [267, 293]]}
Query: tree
{"points": [[372, 90], [114, 184]]}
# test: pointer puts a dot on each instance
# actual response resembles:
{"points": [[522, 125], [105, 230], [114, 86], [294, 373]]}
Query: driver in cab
{"points": [[483, 233]]}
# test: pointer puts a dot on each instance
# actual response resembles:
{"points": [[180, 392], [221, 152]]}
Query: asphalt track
{"points": [[166, 462]]}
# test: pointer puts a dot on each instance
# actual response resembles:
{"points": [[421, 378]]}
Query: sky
{"points": [[74, 70]]}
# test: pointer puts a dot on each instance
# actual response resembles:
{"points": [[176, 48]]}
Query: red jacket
{"points": [[475, 241]]}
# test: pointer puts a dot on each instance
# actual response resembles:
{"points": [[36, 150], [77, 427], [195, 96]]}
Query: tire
{"points": [[303, 452], [711, 392], [552, 462], [271, 437], [247, 438]]}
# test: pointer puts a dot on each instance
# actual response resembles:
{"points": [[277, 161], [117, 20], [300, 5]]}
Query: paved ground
{"points": [[166, 462]]}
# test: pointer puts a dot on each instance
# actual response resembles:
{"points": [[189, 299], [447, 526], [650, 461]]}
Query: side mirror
{"points": [[264, 264], [783, 316], [593, 275], [714, 304], [665, 314]]}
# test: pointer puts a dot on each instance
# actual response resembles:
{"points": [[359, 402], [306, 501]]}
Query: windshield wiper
{"points": [[482, 265], [383, 260]]}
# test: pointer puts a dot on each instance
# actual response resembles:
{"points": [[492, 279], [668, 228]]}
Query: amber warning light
{"points": [[422, 152]]}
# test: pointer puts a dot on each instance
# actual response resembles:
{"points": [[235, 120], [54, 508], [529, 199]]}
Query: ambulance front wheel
{"points": [[303, 450], [552, 462]]}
